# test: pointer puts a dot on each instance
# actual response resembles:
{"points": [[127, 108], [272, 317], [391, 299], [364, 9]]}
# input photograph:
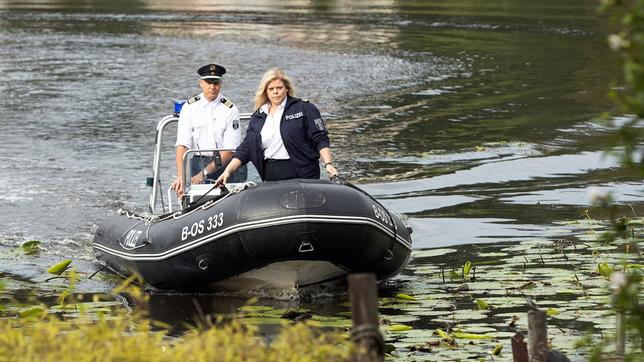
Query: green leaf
{"points": [[405, 297], [482, 304], [604, 270], [60, 267], [399, 327], [442, 333], [466, 269], [552, 311], [31, 246], [462, 335], [497, 349], [254, 308], [32, 312]]}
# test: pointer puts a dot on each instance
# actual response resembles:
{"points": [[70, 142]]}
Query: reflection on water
{"points": [[475, 120]]}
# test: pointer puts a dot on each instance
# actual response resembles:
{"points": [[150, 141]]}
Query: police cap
{"points": [[211, 71]]}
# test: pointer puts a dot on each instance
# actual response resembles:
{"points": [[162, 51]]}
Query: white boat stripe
{"points": [[247, 226]]}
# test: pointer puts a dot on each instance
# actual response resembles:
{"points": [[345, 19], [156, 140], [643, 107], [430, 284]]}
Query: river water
{"points": [[474, 120]]}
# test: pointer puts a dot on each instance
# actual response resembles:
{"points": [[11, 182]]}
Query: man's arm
{"points": [[177, 184]]}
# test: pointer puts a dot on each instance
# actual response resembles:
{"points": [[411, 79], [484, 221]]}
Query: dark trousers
{"points": [[276, 170]]}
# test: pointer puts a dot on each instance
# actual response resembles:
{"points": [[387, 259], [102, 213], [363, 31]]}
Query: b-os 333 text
{"points": [[204, 225]]}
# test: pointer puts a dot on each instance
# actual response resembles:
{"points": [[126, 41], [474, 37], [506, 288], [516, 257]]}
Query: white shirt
{"points": [[209, 125], [272, 142]]}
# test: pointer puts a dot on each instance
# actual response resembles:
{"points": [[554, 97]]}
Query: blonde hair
{"points": [[271, 75]]}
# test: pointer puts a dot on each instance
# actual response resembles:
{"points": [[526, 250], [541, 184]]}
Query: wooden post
{"points": [[620, 339], [519, 348], [537, 336], [364, 309]]}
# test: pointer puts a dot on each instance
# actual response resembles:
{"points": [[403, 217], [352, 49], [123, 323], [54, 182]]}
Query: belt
{"points": [[273, 160], [199, 156]]}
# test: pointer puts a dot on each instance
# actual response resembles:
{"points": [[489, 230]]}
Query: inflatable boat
{"points": [[248, 235]]}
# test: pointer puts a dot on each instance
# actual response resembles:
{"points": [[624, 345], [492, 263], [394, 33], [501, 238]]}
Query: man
{"points": [[206, 121]]}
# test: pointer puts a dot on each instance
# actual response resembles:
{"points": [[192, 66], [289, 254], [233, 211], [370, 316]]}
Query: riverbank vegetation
{"points": [[99, 330]]}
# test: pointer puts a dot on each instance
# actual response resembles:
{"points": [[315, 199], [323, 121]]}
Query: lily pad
{"points": [[31, 246], [399, 327], [406, 297], [32, 312], [60, 267], [463, 335], [432, 252]]}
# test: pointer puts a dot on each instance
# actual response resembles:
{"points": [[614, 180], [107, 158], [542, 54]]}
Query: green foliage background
{"points": [[628, 41]]}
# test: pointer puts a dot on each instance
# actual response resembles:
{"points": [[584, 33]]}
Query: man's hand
{"points": [[197, 179], [177, 186]]}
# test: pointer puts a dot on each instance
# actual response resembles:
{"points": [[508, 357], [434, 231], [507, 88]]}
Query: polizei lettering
{"points": [[294, 115], [204, 225]]}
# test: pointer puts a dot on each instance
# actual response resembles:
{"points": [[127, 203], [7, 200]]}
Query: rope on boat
{"points": [[150, 219]]}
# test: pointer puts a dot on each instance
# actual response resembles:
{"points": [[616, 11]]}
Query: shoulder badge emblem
{"points": [[235, 123], [319, 124], [193, 99], [227, 103]]}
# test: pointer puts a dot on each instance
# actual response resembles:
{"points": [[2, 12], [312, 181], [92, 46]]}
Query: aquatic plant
{"points": [[625, 281], [31, 246], [628, 42], [41, 333]]}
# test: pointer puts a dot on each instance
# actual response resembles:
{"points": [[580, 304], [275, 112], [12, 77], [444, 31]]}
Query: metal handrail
{"points": [[186, 156], [157, 159], [157, 156]]}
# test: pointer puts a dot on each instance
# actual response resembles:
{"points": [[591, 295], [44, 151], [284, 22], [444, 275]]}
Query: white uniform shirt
{"points": [[209, 125], [272, 142]]}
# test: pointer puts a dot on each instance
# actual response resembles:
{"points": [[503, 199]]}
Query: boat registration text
{"points": [[199, 227]]}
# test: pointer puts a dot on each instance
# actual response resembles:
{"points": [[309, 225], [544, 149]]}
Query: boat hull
{"points": [[308, 221]]}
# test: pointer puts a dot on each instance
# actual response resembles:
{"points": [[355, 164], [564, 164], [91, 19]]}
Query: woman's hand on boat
{"points": [[333, 172], [233, 165], [223, 178]]}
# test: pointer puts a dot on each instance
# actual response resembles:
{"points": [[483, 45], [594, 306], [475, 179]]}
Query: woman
{"points": [[286, 136]]}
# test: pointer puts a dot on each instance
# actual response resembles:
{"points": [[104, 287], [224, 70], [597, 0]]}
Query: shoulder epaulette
{"points": [[193, 99], [304, 100], [227, 103]]}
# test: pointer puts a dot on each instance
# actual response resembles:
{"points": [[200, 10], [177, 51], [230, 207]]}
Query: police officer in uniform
{"points": [[207, 121], [286, 136]]}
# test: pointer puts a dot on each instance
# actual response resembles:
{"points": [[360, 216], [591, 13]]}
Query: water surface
{"points": [[474, 120]]}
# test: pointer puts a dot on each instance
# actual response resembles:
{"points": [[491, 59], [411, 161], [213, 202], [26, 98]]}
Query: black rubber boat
{"points": [[284, 234], [323, 229]]}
